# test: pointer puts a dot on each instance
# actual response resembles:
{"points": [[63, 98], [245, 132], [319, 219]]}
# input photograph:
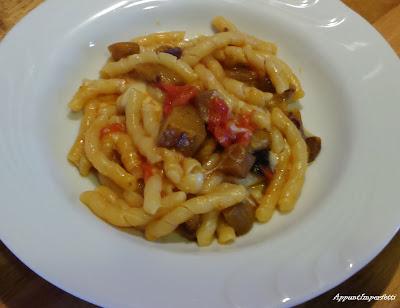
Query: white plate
{"points": [[348, 210]]}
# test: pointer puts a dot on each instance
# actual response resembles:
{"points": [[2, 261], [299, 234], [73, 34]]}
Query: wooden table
{"points": [[20, 287]]}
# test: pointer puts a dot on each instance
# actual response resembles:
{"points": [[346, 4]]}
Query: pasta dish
{"points": [[200, 136]]}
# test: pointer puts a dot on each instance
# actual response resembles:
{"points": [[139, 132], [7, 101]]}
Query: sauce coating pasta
{"points": [[192, 135]]}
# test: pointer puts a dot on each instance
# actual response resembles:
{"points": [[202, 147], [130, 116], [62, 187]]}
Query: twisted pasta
{"points": [[221, 24], [116, 213], [237, 88], [125, 65], [92, 88], [212, 161], [171, 200], [133, 198], [292, 188], [277, 141], [268, 202], [151, 117], [76, 154], [293, 80], [211, 182], [216, 200], [123, 145], [225, 232], [186, 173], [206, 150], [270, 65], [280, 73], [194, 135], [231, 55], [160, 38], [194, 54], [205, 233], [105, 181], [100, 161], [152, 194], [144, 143], [192, 42]]}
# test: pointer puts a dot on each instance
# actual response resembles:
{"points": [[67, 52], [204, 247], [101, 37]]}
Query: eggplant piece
{"points": [[265, 84], [295, 117], [243, 74], [188, 229], [288, 94], [313, 142], [261, 161], [236, 160], [175, 51], [313, 147], [183, 129], [202, 102], [155, 73], [123, 49], [240, 217]]}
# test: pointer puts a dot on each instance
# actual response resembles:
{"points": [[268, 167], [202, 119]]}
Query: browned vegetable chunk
{"points": [[288, 94], [265, 84], [123, 49], [188, 229], [183, 130], [295, 117], [152, 72], [240, 217], [175, 51], [262, 164], [203, 100], [242, 73], [236, 161], [313, 147]]}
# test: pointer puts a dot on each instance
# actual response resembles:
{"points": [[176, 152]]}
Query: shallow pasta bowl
{"points": [[350, 78]]}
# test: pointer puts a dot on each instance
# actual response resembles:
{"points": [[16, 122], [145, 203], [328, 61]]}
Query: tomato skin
{"points": [[112, 128], [223, 135], [244, 122], [227, 129], [268, 174], [176, 95], [147, 170], [244, 138], [218, 114]]}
